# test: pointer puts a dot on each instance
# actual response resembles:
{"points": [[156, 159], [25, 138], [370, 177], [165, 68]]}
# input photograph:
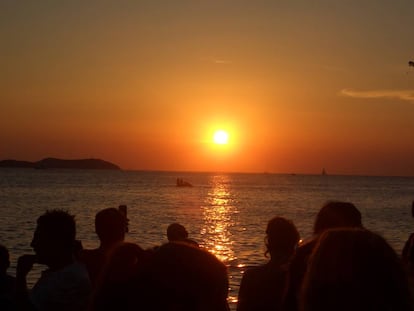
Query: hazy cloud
{"points": [[391, 94], [215, 60], [220, 61]]}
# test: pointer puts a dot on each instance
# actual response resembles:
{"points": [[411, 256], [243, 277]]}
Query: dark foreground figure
{"points": [[263, 288], [65, 285], [121, 285], [174, 276], [110, 227], [7, 282], [178, 233], [354, 269], [333, 214], [187, 278], [408, 250]]}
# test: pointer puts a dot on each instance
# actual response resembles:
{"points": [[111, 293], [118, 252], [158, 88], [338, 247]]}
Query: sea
{"points": [[226, 213]]}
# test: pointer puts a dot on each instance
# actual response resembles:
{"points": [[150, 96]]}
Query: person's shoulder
{"points": [[305, 249], [72, 278], [7, 277], [302, 255], [267, 270], [191, 242], [69, 288], [91, 256], [7, 282], [76, 267], [75, 277], [91, 252], [75, 272], [307, 246], [263, 277], [254, 272]]}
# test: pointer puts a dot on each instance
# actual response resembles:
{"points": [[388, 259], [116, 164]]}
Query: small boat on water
{"points": [[323, 172], [182, 183]]}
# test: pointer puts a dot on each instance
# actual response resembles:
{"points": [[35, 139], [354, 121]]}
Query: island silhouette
{"points": [[49, 163]]}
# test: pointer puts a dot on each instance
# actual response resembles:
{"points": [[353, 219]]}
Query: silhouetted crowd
{"points": [[343, 267]]}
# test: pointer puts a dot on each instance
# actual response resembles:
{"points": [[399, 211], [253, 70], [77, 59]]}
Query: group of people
{"points": [[343, 267], [118, 275]]}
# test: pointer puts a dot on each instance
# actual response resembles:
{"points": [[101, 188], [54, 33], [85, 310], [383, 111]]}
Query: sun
{"points": [[221, 137]]}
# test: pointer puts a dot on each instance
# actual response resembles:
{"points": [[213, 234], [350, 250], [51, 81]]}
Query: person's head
{"points": [[54, 236], [336, 214], [354, 269], [189, 278], [4, 259], [176, 232], [282, 237], [110, 225]]}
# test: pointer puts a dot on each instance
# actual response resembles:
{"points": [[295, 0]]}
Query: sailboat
{"points": [[323, 172]]}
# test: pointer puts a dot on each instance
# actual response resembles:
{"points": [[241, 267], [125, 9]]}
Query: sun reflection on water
{"points": [[218, 215]]}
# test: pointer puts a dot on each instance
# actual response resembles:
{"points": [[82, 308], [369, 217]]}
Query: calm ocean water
{"points": [[225, 213]]}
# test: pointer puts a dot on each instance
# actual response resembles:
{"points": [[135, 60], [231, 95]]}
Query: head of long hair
{"points": [[354, 269]]}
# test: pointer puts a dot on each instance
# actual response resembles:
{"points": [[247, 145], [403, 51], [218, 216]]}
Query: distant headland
{"points": [[49, 163]]}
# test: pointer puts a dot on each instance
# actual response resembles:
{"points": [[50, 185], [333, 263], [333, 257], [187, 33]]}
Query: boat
{"points": [[323, 172], [182, 183]]}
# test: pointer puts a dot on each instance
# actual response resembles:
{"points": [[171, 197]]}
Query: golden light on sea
{"points": [[218, 211]]}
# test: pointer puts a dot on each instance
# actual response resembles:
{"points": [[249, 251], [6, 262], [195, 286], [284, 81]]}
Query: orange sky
{"points": [[299, 86]]}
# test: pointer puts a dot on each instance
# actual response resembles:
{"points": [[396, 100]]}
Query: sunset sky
{"points": [[298, 85]]}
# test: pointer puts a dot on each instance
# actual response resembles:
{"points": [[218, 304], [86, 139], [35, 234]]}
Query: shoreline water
{"points": [[225, 213]]}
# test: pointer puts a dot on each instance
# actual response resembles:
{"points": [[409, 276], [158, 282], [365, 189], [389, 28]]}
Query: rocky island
{"points": [[49, 163]]}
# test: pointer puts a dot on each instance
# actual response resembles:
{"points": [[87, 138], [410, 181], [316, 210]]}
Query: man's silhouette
{"points": [[65, 285], [110, 226]]}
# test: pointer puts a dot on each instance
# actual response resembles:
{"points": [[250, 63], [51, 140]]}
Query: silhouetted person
{"points": [[333, 214], [110, 226], [178, 233], [408, 250], [65, 285], [119, 286], [186, 278], [263, 287], [354, 269], [412, 209], [123, 209], [7, 282]]}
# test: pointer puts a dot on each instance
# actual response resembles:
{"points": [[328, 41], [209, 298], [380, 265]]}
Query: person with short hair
{"points": [[65, 285], [182, 277], [110, 227], [178, 233]]}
